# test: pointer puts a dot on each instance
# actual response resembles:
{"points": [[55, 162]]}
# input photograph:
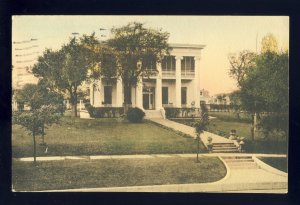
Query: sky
{"points": [[222, 35]]}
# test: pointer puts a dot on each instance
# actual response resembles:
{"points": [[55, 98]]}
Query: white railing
{"points": [[187, 74], [168, 73]]}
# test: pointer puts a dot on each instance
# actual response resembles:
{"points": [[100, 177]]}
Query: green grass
{"points": [[231, 117], [276, 162], [103, 137], [70, 174]]}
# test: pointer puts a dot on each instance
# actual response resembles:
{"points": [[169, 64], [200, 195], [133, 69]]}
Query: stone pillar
{"points": [[139, 94], [92, 94], [178, 81], [119, 93], [158, 88], [97, 94], [80, 105], [197, 82]]}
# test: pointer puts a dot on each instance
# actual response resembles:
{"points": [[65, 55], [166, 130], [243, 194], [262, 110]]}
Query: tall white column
{"points": [[119, 93], [178, 81], [139, 94], [97, 94], [92, 94], [197, 82], [158, 88]]}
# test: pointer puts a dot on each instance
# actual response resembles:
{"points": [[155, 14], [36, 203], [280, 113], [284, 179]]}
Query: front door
{"points": [[148, 98]]}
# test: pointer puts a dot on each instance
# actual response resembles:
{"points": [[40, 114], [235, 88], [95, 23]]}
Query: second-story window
{"points": [[188, 63], [168, 63]]}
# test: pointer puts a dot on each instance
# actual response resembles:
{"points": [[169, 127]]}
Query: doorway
{"points": [[148, 98]]}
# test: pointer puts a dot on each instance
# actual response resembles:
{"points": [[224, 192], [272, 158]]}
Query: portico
{"points": [[175, 83]]}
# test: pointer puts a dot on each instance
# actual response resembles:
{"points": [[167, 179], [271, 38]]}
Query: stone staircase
{"points": [[240, 162], [224, 147], [153, 114]]}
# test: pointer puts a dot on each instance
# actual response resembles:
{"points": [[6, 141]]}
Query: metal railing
{"points": [[187, 74], [168, 73]]}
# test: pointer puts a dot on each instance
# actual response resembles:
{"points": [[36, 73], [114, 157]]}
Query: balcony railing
{"points": [[187, 74], [168, 73]]}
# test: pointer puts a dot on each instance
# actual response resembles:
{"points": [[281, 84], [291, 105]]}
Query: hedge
{"points": [[104, 112]]}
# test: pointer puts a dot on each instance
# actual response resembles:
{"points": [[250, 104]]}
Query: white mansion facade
{"points": [[176, 83]]}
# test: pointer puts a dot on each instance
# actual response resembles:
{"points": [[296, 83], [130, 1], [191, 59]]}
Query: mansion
{"points": [[176, 84]]}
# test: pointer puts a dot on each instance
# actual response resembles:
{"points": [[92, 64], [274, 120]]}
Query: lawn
{"points": [[71, 174], [75, 136], [276, 162]]}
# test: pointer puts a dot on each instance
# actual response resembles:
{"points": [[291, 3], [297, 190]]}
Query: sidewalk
{"points": [[140, 156]]}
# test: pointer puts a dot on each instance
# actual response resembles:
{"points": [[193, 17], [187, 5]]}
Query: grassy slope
{"points": [[103, 136], [227, 121], [278, 163], [112, 173]]}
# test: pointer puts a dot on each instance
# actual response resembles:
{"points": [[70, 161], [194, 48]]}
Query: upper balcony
{"points": [[168, 74], [187, 74]]}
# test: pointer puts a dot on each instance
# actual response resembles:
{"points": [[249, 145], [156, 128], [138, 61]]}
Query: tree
{"points": [[269, 44], [45, 109], [266, 90], [201, 125], [138, 50], [240, 64], [66, 69]]}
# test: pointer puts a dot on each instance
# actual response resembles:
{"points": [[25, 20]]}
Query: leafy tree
{"points": [[45, 109], [240, 64], [201, 125], [138, 50], [66, 69], [266, 90], [269, 44]]}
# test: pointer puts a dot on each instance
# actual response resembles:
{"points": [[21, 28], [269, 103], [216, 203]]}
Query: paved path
{"points": [[140, 156], [191, 131]]}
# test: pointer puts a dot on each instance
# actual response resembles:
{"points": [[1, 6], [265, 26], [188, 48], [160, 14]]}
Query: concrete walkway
{"points": [[191, 131]]}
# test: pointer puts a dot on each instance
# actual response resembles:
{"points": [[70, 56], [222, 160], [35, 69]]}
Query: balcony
{"points": [[187, 74], [168, 73]]}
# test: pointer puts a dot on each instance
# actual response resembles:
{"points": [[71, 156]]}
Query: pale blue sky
{"points": [[221, 35]]}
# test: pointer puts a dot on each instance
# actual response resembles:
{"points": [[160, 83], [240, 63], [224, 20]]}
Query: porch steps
{"points": [[240, 162], [153, 114], [226, 147]]}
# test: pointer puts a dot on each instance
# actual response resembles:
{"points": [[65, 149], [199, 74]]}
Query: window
{"points": [[168, 63], [107, 94], [188, 63], [165, 95], [183, 95]]}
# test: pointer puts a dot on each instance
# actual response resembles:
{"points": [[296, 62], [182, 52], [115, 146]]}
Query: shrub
{"points": [[104, 112], [172, 112], [135, 115]]}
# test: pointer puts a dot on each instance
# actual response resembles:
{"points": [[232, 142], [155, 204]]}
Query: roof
{"points": [[181, 45]]}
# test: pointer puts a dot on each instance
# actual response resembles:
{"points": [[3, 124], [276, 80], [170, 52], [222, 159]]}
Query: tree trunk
{"points": [[43, 134], [74, 102], [34, 147], [127, 97], [198, 146], [253, 128]]}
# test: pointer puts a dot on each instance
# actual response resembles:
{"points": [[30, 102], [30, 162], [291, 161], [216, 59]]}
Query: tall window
{"points": [[188, 63], [183, 95], [168, 63], [165, 95], [107, 94]]}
